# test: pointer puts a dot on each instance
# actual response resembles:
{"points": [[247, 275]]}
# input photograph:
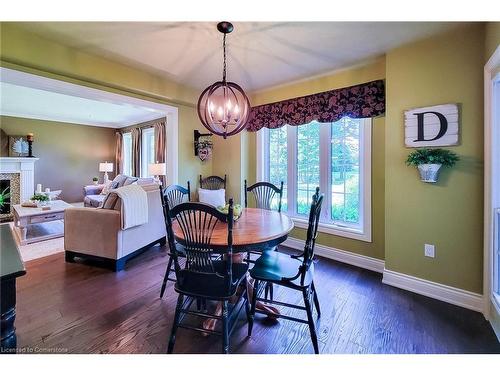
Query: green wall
{"points": [[347, 77], [22, 50], [190, 166], [492, 38], [69, 153], [447, 68], [229, 157]]}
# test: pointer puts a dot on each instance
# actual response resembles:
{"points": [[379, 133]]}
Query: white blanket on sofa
{"points": [[134, 210]]}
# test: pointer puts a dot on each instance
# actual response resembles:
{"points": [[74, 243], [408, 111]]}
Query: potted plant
{"points": [[429, 161], [4, 196], [95, 180], [40, 199]]}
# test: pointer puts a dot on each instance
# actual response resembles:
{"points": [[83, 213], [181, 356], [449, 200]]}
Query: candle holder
{"points": [[30, 149], [29, 138]]}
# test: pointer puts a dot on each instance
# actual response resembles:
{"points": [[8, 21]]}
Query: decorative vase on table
{"points": [[429, 172]]}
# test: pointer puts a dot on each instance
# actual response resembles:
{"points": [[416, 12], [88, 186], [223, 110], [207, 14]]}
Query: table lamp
{"points": [[106, 167], [156, 170]]}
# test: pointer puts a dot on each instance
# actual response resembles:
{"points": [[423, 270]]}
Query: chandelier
{"points": [[223, 107]]}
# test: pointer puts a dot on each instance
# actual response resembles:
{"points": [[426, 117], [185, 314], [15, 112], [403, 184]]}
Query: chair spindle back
{"points": [[264, 193], [213, 182], [176, 194], [197, 221]]}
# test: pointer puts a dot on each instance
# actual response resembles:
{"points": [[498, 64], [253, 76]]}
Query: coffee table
{"points": [[29, 222]]}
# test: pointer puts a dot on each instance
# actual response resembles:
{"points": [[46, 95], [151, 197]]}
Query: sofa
{"points": [[93, 196], [95, 234]]}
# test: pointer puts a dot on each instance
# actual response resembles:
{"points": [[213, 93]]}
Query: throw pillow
{"points": [[110, 202], [129, 181], [54, 195], [107, 187], [215, 198], [145, 181], [122, 180], [118, 181]]}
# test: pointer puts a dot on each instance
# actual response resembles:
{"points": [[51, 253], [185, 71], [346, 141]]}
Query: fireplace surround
{"points": [[20, 174]]}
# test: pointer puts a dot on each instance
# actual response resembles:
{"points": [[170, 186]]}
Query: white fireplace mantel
{"points": [[26, 169]]}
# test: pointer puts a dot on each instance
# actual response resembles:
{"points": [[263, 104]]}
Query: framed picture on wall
{"points": [[18, 145]]}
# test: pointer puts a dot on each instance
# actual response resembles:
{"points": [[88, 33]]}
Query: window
{"points": [[307, 164], [147, 150], [127, 153], [277, 166], [337, 158]]}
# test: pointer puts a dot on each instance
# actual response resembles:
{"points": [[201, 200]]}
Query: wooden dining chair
{"points": [[264, 193], [173, 195], [291, 271], [176, 194], [213, 182], [202, 277]]}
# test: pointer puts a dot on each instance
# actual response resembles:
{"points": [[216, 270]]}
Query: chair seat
{"points": [[210, 286], [278, 268]]}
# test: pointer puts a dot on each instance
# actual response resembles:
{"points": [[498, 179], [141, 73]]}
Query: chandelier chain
{"points": [[224, 52]]}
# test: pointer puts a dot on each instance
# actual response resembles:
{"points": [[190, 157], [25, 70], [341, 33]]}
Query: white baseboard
{"points": [[343, 256], [455, 296]]}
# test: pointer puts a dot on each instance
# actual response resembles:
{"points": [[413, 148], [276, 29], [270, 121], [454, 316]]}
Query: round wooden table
{"points": [[256, 229]]}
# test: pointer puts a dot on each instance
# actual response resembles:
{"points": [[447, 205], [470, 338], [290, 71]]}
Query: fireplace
{"points": [[18, 175], [9, 189], [4, 197]]}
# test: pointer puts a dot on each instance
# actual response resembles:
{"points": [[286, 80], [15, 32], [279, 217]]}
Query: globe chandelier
{"points": [[223, 107]]}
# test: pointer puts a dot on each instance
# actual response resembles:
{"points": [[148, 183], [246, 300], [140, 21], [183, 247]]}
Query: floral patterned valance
{"points": [[360, 101]]}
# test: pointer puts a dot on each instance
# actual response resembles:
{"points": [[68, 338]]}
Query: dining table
{"points": [[255, 230]]}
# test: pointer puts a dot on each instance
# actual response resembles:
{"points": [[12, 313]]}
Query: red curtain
{"points": [[360, 101]]}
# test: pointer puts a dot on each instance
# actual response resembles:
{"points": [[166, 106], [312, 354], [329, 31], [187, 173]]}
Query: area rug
{"points": [[39, 249]]}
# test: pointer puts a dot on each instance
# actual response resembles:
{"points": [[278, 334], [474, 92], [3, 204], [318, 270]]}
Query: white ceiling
{"points": [[260, 54], [30, 96]]}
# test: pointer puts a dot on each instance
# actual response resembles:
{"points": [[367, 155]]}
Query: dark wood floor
{"points": [[83, 309]]}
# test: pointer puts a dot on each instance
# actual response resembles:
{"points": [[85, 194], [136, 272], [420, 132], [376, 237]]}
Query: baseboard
{"points": [[441, 292], [343, 256], [455, 296]]}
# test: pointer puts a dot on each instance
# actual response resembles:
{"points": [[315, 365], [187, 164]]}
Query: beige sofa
{"points": [[95, 234]]}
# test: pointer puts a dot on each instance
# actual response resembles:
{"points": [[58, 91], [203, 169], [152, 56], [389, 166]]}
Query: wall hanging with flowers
{"points": [[203, 145]]}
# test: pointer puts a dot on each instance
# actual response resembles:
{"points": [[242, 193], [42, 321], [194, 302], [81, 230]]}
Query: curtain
{"points": [[160, 145], [136, 151], [119, 153], [360, 101]]}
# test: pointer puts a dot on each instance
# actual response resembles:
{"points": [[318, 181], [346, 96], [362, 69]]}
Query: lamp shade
{"points": [[157, 169], [106, 167]]}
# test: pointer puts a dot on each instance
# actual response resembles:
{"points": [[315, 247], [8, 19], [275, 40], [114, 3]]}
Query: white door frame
{"points": [[491, 196]]}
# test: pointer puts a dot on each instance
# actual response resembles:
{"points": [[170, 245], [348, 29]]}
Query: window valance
{"points": [[360, 101]]}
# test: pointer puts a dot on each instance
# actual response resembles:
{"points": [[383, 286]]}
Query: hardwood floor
{"points": [[77, 308]]}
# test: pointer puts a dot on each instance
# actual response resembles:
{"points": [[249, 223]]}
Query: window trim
{"points": [[144, 172], [362, 234], [123, 156]]}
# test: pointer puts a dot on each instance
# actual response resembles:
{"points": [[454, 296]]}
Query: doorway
{"points": [[491, 280]]}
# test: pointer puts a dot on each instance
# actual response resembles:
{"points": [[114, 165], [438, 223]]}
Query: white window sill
{"points": [[336, 230]]}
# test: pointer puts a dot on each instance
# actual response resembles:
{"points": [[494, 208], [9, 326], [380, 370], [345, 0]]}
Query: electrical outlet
{"points": [[429, 250]]}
